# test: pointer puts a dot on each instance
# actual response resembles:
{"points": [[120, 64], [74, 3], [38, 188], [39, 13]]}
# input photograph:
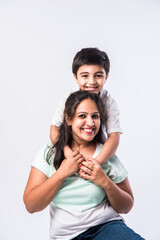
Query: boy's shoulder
{"points": [[106, 97], [62, 98]]}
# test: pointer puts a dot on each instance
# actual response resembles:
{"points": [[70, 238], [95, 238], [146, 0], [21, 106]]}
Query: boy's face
{"points": [[91, 78]]}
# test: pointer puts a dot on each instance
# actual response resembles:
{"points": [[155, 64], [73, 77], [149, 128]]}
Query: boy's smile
{"points": [[91, 78]]}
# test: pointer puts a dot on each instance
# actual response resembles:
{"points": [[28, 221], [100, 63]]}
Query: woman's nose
{"points": [[90, 121]]}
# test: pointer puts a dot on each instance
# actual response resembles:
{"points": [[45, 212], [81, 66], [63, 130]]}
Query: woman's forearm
{"points": [[121, 200], [119, 195]]}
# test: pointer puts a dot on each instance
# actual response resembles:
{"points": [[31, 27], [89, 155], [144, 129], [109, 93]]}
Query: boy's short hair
{"points": [[90, 56]]}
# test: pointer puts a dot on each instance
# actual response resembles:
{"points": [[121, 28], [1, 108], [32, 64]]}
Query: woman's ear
{"points": [[68, 121]]}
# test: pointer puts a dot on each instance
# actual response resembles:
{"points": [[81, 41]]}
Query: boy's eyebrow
{"points": [[100, 72], [94, 73], [83, 73]]}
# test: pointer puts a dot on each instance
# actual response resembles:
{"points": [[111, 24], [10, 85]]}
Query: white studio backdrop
{"points": [[38, 40]]}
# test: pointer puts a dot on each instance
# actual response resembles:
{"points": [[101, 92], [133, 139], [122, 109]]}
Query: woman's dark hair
{"points": [[65, 131], [90, 56]]}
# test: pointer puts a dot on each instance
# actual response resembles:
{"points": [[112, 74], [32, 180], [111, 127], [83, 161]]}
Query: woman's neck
{"points": [[87, 149]]}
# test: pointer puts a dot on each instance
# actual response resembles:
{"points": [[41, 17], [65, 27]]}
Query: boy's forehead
{"points": [[90, 69]]}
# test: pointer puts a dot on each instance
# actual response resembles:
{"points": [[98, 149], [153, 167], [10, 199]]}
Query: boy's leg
{"points": [[116, 230]]}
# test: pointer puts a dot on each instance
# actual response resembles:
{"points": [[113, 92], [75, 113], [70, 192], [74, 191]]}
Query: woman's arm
{"points": [[40, 190], [119, 195]]}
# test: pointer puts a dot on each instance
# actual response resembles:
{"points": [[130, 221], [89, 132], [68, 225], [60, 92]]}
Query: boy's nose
{"points": [[92, 80]]}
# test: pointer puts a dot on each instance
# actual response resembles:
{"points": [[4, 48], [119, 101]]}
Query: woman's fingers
{"points": [[84, 175], [86, 169]]}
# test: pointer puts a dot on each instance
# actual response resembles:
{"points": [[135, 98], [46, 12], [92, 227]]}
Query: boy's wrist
{"points": [[100, 159]]}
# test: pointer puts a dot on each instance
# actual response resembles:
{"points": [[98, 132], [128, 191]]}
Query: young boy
{"points": [[90, 69]]}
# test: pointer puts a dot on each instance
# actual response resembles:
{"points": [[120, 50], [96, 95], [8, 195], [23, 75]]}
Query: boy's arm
{"points": [[109, 147], [54, 135], [113, 129]]}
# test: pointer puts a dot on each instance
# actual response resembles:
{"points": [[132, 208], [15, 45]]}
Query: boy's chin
{"points": [[92, 91]]}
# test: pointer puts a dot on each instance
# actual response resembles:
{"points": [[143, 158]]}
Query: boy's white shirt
{"points": [[113, 121]]}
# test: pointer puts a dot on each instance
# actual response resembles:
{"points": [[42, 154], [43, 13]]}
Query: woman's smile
{"points": [[86, 122], [88, 130]]}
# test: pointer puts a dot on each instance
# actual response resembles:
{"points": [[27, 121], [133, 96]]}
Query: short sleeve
{"points": [[57, 118], [40, 161], [58, 113], [115, 169], [113, 120]]}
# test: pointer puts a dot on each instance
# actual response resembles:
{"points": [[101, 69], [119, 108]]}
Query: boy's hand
{"points": [[67, 151]]}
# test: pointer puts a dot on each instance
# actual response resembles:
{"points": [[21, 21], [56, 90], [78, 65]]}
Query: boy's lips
{"points": [[91, 88]]}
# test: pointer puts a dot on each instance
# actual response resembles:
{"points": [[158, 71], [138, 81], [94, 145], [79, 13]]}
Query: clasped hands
{"points": [[87, 168]]}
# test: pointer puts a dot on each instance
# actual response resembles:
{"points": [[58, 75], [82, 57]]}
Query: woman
{"points": [[85, 199]]}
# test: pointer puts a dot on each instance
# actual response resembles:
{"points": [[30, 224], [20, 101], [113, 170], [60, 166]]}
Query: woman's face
{"points": [[86, 122]]}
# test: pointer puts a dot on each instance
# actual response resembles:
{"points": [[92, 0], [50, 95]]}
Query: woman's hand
{"points": [[71, 165], [119, 195], [91, 170]]}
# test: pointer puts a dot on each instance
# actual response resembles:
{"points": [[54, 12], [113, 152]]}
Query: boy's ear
{"points": [[75, 77], [106, 78]]}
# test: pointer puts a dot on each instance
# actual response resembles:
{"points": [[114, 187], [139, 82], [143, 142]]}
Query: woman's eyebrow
{"points": [[87, 112], [82, 112]]}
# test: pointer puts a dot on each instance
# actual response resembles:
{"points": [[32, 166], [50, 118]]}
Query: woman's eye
{"points": [[84, 76], [82, 116], [95, 116]]}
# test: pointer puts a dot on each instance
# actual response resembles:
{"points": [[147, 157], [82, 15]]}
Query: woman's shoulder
{"points": [[43, 151], [41, 162]]}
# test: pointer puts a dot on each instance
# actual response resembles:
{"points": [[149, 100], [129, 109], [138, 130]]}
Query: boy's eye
{"points": [[99, 76], [84, 76]]}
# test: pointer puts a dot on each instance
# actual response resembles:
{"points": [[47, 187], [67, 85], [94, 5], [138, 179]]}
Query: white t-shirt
{"points": [[79, 204], [113, 121]]}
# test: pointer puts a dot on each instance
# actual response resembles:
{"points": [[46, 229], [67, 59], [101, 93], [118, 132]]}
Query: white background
{"points": [[38, 40]]}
